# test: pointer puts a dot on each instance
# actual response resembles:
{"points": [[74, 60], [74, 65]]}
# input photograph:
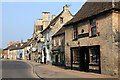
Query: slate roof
{"points": [[8, 47], [14, 47], [61, 31], [90, 9]]}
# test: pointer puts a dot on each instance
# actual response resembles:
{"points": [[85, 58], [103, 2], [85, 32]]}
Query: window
{"points": [[75, 56], [54, 43], [82, 31], [60, 42], [93, 27], [61, 20], [75, 31], [94, 56]]}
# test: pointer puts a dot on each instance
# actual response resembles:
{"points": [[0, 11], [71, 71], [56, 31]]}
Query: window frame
{"points": [[93, 27], [54, 43], [75, 32], [61, 20]]}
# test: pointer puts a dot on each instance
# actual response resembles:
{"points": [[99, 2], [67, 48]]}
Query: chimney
{"points": [[46, 19], [46, 16], [21, 41], [28, 40], [53, 16], [66, 7], [39, 21]]}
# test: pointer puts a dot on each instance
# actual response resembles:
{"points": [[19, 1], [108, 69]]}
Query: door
{"points": [[44, 56], [56, 59], [84, 59]]}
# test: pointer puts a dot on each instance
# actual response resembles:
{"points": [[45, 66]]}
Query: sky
{"points": [[18, 18]]}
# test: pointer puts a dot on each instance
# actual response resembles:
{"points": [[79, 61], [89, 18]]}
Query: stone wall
{"points": [[119, 44], [106, 40], [60, 42], [66, 17]]}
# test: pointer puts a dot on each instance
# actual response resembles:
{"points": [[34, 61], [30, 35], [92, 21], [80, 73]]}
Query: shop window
{"points": [[94, 56], [93, 27], [75, 56]]}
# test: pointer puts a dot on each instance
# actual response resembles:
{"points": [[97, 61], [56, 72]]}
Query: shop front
{"points": [[86, 58], [58, 57]]}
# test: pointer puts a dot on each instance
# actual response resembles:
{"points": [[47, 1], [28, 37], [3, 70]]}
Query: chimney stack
{"points": [[46, 16], [21, 41], [46, 19], [53, 16], [39, 21]]}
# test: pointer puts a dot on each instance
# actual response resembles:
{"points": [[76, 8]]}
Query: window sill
{"points": [[75, 39], [93, 36], [83, 35], [94, 64]]}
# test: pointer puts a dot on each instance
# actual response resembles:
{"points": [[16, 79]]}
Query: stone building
{"points": [[39, 25], [55, 25], [92, 38], [16, 50], [6, 51], [58, 48]]}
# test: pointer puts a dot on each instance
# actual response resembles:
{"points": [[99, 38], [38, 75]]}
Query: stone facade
{"points": [[54, 26], [58, 49], [107, 37], [59, 42], [38, 27]]}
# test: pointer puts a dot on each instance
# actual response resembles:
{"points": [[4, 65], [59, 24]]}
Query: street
{"points": [[24, 69], [17, 69]]}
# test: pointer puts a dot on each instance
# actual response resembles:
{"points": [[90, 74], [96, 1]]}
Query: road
{"points": [[17, 69]]}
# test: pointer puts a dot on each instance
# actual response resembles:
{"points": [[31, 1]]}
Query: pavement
{"points": [[49, 71]]}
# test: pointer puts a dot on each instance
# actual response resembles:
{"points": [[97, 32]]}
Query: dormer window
{"points": [[61, 20], [93, 27]]}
